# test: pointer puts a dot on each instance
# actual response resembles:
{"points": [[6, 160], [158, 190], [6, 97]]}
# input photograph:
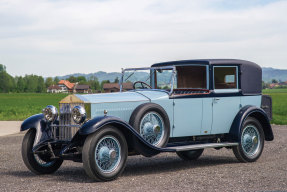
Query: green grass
{"points": [[19, 106], [279, 104]]}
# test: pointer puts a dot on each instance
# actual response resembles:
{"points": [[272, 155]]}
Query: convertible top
{"points": [[250, 73]]}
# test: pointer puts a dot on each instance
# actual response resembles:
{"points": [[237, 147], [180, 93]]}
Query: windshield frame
{"points": [[151, 68]]}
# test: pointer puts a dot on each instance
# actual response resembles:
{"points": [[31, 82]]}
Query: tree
{"points": [[56, 80], [72, 79], [20, 85], [82, 80], [94, 83], [274, 81], [41, 85], [2, 68], [49, 81], [7, 82], [116, 80]]}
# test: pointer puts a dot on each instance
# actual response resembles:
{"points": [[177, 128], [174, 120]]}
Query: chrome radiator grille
{"points": [[67, 128]]}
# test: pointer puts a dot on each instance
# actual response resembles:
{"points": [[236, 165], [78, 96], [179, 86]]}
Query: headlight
{"points": [[79, 114], [50, 113]]}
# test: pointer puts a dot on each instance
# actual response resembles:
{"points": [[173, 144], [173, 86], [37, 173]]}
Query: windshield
{"points": [[148, 78]]}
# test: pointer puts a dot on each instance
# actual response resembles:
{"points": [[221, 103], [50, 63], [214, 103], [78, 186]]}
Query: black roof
{"points": [[206, 62], [250, 73]]}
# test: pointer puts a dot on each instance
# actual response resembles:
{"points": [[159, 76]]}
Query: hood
{"points": [[154, 94], [105, 98], [131, 96]]}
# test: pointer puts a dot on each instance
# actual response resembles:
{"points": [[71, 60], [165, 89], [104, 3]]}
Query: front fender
{"points": [[32, 122], [38, 123], [251, 111], [128, 131]]}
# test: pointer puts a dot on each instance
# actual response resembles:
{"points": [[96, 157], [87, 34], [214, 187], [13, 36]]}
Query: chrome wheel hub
{"points": [[107, 154], [250, 140], [152, 128]]}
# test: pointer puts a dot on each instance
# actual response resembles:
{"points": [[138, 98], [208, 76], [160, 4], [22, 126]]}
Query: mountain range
{"points": [[268, 74]]}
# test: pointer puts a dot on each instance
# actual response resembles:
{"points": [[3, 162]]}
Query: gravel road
{"points": [[216, 170]]}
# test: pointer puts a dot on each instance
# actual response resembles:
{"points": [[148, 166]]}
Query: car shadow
{"points": [[171, 164], [136, 166]]}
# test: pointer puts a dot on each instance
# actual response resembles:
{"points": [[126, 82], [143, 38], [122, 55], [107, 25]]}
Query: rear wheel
{"points": [[38, 164], [190, 155], [104, 154], [251, 141]]}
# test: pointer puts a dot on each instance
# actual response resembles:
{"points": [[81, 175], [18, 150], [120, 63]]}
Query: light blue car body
{"points": [[188, 117]]}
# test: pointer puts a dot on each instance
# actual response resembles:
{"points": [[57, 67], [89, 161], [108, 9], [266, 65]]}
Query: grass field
{"points": [[279, 104], [19, 106]]}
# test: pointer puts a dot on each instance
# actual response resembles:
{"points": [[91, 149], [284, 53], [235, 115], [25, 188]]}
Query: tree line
{"points": [[37, 84]]}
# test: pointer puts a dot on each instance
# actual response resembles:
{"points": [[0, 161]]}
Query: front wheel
{"points": [[251, 141], [190, 155], [38, 164], [104, 154]]}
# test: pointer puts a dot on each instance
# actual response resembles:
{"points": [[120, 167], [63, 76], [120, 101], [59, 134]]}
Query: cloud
{"points": [[64, 37]]}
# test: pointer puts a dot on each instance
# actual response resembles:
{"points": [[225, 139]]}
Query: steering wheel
{"points": [[143, 85]]}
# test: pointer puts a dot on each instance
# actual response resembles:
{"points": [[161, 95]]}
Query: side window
{"points": [[192, 77], [225, 77]]}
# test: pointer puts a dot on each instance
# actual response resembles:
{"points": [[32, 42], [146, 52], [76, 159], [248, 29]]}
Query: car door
{"points": [[188, 103], [226, 100], [187, 117]]}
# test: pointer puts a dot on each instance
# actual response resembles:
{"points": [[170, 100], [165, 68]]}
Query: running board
{"points": [[200, 146]]}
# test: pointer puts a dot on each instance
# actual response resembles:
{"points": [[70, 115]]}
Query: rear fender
{"points": [[128, 131], [251, 111]]}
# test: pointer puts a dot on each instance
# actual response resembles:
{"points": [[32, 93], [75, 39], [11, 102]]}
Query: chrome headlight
{"points": [[50, 113], [79, 114]]}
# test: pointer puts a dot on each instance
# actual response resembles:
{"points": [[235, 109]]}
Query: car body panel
{"points": [[254, 100], [187, 117], [122, 110], [224, 110]]}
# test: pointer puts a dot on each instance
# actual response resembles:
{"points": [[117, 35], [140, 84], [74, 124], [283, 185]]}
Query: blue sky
{"points": [[50, 37]]}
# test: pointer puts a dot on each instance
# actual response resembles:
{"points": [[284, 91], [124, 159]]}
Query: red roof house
{"points": [[66, 86]]}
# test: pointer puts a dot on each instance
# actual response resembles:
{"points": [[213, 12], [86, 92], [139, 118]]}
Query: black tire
{"points": [[46, 166], [144, 109], [239, 151], [91, 167], [190, 155]]}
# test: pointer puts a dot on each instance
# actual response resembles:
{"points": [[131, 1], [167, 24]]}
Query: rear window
{"points": [[225, 77]]}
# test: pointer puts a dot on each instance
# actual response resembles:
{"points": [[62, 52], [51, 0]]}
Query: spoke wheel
{"points": [[152, 128], [104, 154], [152, 123], [38, 164], [251, 141], [107, 154]]}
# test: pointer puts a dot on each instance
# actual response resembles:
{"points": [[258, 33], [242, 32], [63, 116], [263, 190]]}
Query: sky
{"points": [[60, 37]]}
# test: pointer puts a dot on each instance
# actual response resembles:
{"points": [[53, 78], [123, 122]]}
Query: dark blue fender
{"points": [[251, 111], [128, 131], [38, 123], [32, 122]]}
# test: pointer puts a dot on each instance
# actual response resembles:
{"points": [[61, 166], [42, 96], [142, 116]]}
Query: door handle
{"points": [[216, 99]]}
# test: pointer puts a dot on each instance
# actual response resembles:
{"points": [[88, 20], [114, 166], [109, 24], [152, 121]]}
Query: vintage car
{"points": [[181, 106]]}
